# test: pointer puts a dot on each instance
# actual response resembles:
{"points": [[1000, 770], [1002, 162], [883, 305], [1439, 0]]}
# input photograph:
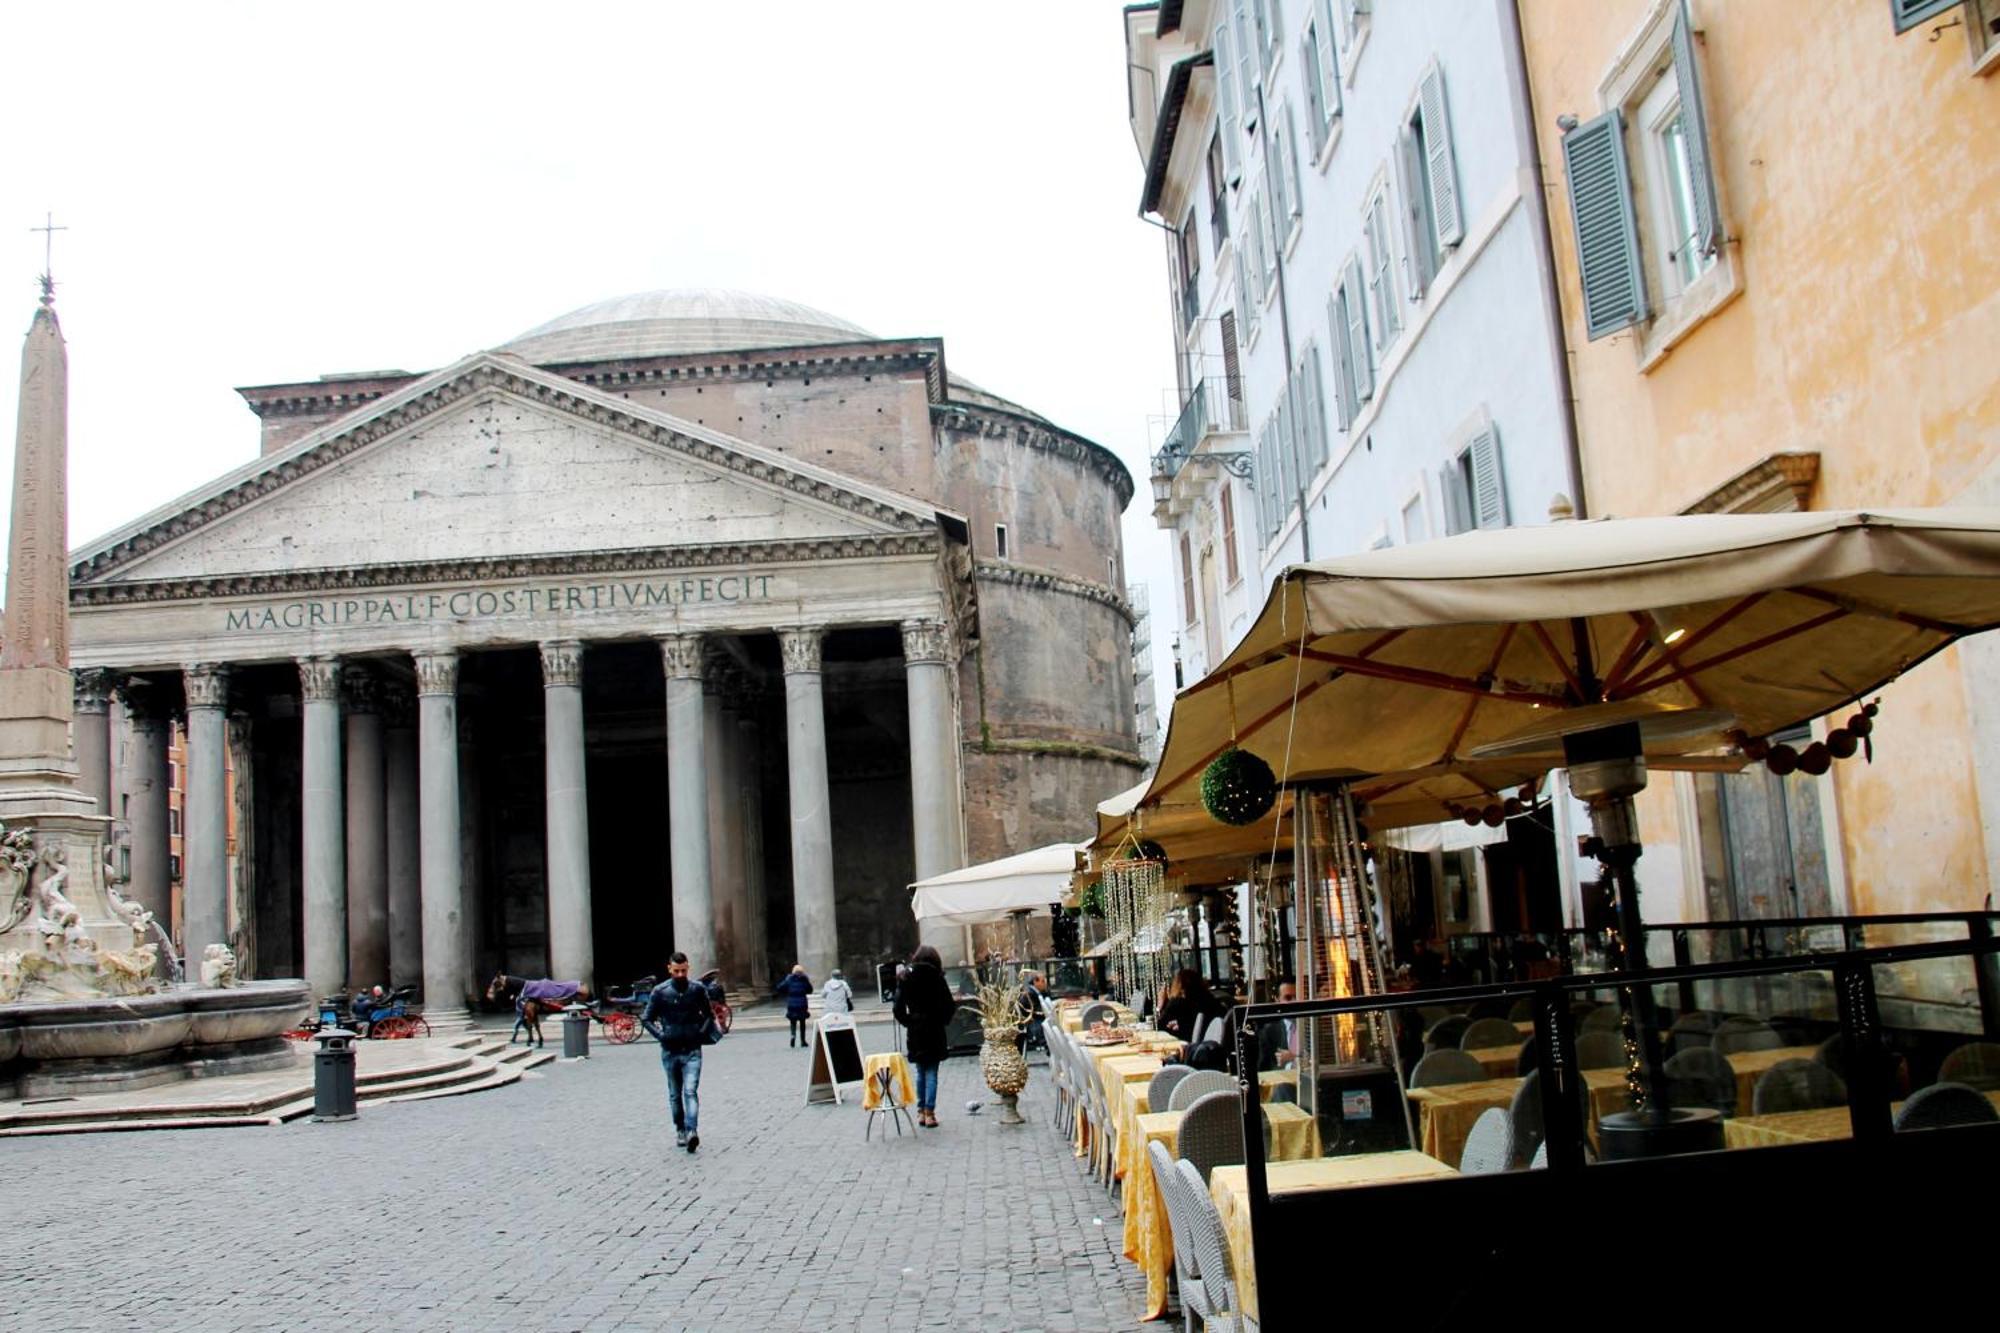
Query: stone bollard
{"points": [[333, 1075], [576, 1032]]}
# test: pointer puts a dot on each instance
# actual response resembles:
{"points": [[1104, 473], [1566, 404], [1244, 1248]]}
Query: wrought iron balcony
{"points": [[1209, 410]]}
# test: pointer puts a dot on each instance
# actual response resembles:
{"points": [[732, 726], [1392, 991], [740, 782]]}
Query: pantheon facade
{"points": [[690, 619]]}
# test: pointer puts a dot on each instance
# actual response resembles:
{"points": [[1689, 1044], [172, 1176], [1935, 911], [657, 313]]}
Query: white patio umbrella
{"points": [[1027, 882]]}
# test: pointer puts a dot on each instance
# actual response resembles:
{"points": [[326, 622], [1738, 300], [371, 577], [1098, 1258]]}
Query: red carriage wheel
{"points": [[419, 1025], [391, 1029], [621, 1027]]}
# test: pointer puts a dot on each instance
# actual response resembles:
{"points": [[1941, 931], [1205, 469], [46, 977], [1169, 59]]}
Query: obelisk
{"points": [[37, 770]]}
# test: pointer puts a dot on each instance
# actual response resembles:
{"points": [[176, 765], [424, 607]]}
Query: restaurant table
{"points": [[1448, 1111], [1270, 1080], [1229, 1186], [1149, 1239], [1497, 1061], [1750, 1066], [1814, 1126], [871, 1091]]}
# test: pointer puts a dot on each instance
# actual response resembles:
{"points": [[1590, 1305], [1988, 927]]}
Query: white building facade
{"points": [[1369, 349]]}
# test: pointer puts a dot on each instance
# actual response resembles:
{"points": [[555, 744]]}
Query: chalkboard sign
{"points": [[836, 1061]]}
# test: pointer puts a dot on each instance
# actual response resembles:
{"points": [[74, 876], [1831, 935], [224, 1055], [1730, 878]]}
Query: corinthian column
{"points": [[323, 844], [205, 815], [146, 784], [92, 733], [814, 925], [687, 801], [399, 825], [367, 837], [447, 960], [936, 817], [568, 813]]}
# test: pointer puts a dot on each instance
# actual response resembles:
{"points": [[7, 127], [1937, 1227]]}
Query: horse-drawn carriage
{"points": [[388, 1018], [534, 1000]]}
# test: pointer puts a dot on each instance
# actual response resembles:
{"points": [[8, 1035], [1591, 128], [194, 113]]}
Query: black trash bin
{"points": [[576, 1033], [333, 1075]]}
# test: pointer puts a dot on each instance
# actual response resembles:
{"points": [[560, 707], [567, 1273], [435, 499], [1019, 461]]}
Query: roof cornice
{"points": [[1172, 102], [1036, 433]]}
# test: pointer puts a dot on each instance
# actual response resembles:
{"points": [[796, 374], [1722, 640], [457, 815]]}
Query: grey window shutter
{"points": [[1288, 159], [1607, 232], [1354, 296], [1443, 176], [1416, 232], [1232, 370], [1263, 35], [1316, 117], [1329, 60], [1694, 120], [1278, 183], [1343, 380], [1225, 86], [1451, 484], [1247, 76], [1288, 453], [1907, 14], [1315, 395], [1489, 484]]}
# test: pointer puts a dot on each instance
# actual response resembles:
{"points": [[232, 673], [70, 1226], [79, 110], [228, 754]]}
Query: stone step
{"points": [[102, 1126]]}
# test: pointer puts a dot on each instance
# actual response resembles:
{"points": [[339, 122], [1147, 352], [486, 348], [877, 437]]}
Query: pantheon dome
{"points": [[680, 320]]}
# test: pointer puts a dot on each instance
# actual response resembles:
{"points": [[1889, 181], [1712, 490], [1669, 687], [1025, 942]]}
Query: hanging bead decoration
{"points": [[1842, 742], [1136, 903]]}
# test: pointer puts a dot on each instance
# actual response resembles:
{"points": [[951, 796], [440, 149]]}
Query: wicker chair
{"points": [[1525, 1115], [1445, 1033], [1690, 1032], [1211, 1133], [1944, 1104], [1438, 1067], [1975, 1064], [1602, 1018], [1187, 1269], [1489, 1144], [1740, 1033], [1521, 1011], [1198, 1084], [1488, 1032], [1161, 1088], [1489, 1009], [1600, 1050], [1700, 1077], [1796, 1085], [1212, 1253], [1099, 1012]]}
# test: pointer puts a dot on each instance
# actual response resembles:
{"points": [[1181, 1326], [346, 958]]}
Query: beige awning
{"points": [[1404, 663]]}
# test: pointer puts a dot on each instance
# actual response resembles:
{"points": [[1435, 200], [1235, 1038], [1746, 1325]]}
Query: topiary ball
{"points": [[1238, 787], [1152, 851]]}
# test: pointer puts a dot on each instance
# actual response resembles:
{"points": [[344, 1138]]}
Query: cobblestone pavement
{"points": [[561, 1203]]}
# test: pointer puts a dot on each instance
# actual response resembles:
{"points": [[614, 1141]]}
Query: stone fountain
{"points": [[83, 1004]]}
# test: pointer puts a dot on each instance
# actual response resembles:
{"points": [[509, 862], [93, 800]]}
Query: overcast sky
{"points": [[272, 192]]}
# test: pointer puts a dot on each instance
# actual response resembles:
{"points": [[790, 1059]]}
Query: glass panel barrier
{"points": [[1940, 1063]]}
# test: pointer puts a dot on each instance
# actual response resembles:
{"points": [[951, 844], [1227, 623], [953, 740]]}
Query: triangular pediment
{"points": [[491, 459]]}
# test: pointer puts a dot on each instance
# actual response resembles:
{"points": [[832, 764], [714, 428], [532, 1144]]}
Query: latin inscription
{"points": [[500, 603]]}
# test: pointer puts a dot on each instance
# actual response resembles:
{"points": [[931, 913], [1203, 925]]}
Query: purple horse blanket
{"points": [[550, 992]]}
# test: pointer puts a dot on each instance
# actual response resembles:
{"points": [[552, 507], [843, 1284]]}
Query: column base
{"points": [[449, 1022]]}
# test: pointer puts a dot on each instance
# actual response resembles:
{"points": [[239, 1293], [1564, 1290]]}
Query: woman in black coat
{"points": [[924, 1006]]}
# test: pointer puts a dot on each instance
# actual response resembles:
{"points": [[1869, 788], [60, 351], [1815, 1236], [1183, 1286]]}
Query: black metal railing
{"points": [[1210, 408]]}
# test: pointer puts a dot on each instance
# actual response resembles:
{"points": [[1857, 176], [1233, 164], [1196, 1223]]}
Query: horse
{"points": [[533, 999]]}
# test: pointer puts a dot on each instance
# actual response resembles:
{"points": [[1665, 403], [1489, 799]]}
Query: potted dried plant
{"points": [[1000, 1057]]}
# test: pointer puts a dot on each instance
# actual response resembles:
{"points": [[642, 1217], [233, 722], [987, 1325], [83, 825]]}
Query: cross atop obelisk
{"points": [[48, 230]]}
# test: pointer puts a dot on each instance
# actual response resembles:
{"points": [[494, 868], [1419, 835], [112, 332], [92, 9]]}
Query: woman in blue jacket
{"points": [[796, 988]]}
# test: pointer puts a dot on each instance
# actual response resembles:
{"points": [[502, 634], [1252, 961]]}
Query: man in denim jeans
{"points": [[678, 1015]]}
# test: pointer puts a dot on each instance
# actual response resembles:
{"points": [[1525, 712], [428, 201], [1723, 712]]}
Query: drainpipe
{"points": [[1284, 309], [1545, 255]]}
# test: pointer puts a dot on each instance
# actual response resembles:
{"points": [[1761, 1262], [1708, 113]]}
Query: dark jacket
{"points": [[677, 1014], [795, 988], [1271, 1040], [924, 1006], [1178, 1014]]}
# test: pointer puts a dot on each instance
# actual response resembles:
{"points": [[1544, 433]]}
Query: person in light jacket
{"points": [[796, 991], [924, 1006], [838, 996]]}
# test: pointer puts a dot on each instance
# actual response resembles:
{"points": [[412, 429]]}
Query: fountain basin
{"points": [[136, 1041]]}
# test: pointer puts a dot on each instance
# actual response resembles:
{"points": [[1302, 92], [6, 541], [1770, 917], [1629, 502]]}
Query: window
{"points": [[1232, 370], [1382, 299], [1268, 245], [1287, 146], [1227, 115], [1283, 183], [1187, 582], [1249, 70], [1250, 269], [1269, 23], [174, 868], [1643, 199], [1354, 27], [1475, 490], [1229, 565], [1347, 320], [1322, 76], [1429, 180], [173, 822], [1907, 14], [1218, 197], [1000, 540], [1309, 395], [173, 776], [1190, 257]]}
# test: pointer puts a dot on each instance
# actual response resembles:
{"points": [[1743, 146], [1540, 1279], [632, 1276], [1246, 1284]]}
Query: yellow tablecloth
{"points": [[1229, 1187], [1752, 1065], [1497, 1061], [1149, 1240], [1447, 1112], [1815, 1126], [900, 1081], [1270, 1080]]}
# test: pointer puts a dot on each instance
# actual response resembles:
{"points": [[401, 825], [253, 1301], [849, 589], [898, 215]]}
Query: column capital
{"points": [[437, 672], [926, 641], [562, 662], [681, 654], [207, 684], [801, 649], [93, 690], [360, 689], [319, 679], [146, 705]]}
